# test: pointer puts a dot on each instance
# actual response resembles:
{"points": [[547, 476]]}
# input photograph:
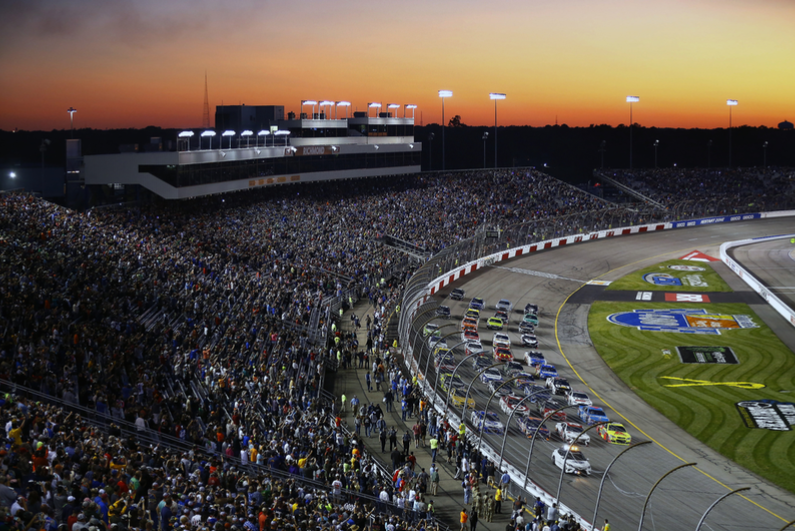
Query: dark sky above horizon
{"points": [[132, 64]]}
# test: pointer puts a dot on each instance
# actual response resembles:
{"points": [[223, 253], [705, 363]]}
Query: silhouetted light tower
{"points": [[444, 94], [656, 145], [485, 136], [430, 151], [764, 155], [631, 100], [730, 103], [72, 111], [496, 96]]}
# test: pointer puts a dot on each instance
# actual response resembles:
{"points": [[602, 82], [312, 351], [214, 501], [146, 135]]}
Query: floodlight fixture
{"points": [[633, 99], [185, 134], [496, 96], [445, 93], [731, 102]]}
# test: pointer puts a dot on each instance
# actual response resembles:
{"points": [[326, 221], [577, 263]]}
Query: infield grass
{"points": [[635, 282], [707, 412]]}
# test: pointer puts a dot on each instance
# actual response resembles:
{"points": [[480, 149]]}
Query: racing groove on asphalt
{"points": [[681, 499]]}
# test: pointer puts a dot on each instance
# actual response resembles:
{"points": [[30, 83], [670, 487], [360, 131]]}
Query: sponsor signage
{"points": [[711, 221], [683, 321], [676, 267], [313, 150], [686, 297], [662, 279], [719, 355], [767, 414]]}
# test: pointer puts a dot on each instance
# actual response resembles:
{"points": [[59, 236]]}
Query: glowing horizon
{"points": [[143, 63]]}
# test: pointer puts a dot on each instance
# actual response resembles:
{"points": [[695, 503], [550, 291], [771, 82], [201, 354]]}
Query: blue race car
{"points": [[592, 414], [547, 371]]}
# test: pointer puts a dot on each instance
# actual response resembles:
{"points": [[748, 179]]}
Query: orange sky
{"points": [[132, 64]]}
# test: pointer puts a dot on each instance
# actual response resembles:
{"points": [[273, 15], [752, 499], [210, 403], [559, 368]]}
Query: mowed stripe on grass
{"points": [[707, 412]]}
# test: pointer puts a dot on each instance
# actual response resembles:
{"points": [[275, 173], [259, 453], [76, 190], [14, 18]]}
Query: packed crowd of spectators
{"points": [[715, 190], [191, 319]]}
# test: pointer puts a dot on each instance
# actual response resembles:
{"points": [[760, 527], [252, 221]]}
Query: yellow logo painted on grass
{"points": [[688, 382]]}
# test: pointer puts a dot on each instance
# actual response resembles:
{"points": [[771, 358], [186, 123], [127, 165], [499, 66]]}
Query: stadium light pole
{"points": [[485, 136], [72, 111], [325, 103], [716, 502], [631, 100], [207, 134], [246, 134], [308, 102], [604, 475], [496, 96], [264, 133], [373, 105], [730, 104], [393, 106], [187, 136], [430, 151], [230, 134], [648, 496], [568, 451], [339, 104], [409, 106], [444, 94]]}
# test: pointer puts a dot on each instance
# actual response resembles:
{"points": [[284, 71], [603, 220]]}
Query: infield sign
{"points": [[720, 355], [767, 414], [683, 321]]}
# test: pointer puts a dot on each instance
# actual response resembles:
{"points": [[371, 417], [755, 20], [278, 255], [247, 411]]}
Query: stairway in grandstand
{"points": [[418, 252]]}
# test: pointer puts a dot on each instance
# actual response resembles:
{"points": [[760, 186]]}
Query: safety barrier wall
{"points": [[777, 304], [416, 295]]}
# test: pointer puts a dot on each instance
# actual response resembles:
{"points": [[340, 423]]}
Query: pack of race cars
{"points": [[531, 394]]}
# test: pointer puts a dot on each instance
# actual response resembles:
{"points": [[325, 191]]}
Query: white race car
{"points": [[473, 347], [505, 305], [529, 340], [492, 422], [575, 461], [510, 402], [501, 339], [568, 431], [490, 375], [579, 398]]}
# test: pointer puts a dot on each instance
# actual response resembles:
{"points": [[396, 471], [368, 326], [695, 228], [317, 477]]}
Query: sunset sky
{"points": [[137, 63]]}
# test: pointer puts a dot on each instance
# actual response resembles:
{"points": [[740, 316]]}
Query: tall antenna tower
{"points": [[206, 113]]}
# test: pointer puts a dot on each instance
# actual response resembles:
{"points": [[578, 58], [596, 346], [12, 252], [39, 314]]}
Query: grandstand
{"points": [[164, 366]]}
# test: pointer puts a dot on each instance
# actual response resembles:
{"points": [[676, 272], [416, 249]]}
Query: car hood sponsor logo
{"points": [[684, 321], [767, 414], [686, 268], [662, 279]]}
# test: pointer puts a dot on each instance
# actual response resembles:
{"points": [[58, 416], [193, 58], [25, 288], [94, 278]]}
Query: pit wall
{"points": [[517, 475], [777, 304]]}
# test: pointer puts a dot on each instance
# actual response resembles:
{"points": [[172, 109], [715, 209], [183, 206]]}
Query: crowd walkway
{"points": [[449, 500]]}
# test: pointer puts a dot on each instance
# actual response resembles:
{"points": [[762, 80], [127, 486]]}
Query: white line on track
{"points": [[532, 273]]}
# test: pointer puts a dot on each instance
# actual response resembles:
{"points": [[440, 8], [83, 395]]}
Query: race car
{"points": [[501, 339], [531, 308], [511, 368], [579, 398], [523, 383], [490, 375], [473, 347], [477, 303], [488, 422], [592, 414], [546, 371], [568, 431], [542, 396], [430, 328], [470, 335], [526, 327], [457, 294], [472, 313], [534, 357], [503, 354], [558, 386], [495, 323], [529, 340], [469, 324], [614, 432], [548, 406], [448, 381], [502, 315], [437, 341], [510, 402], [530, 318], [444, 360], [572, 458], [529, 425], [500, 389], [443, 311], [457, 398], [504, 305], [481, 361]]}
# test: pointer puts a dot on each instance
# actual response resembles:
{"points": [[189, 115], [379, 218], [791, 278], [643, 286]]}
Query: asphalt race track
{"points": [[549, 279], [773, 264]]}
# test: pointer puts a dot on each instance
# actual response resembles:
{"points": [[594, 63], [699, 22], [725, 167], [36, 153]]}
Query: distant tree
{"points": [[455, 121]]}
